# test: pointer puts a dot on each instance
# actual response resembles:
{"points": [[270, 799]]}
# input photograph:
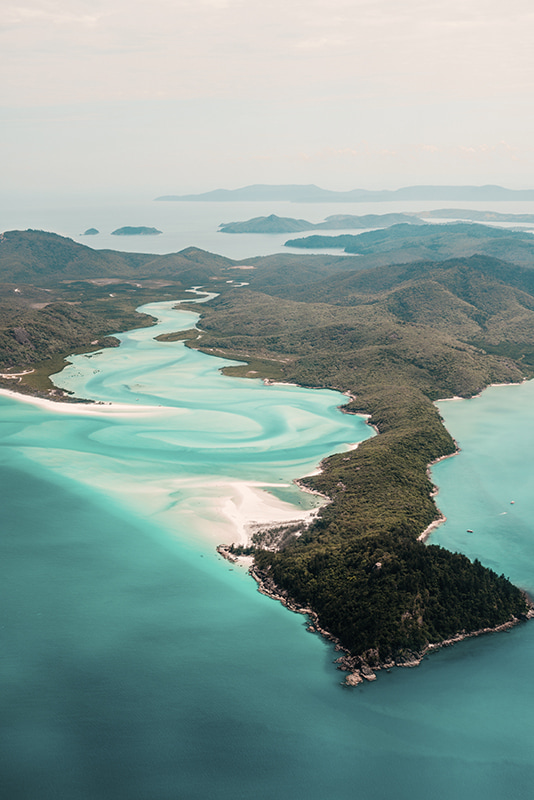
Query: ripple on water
{"points": [[136, 664]]}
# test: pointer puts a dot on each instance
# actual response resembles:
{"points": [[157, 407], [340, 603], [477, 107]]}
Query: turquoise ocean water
{"points": [[135, 664]]}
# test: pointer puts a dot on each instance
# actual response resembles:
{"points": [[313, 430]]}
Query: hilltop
{"points": [[140, 230], [393, 337], [274, 224], [405, 243], [310, 193], [42, 258]]}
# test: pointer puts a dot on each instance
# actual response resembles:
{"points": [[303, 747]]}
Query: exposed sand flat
{"points": [[93, 409], [210, 509], [249, 505], [200, 461]]}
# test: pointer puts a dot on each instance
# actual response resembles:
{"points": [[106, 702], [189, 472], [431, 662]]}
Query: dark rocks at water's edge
{"points": [[128, 230], [226, 552], [366, 667], [267, 586], [90, 232], [362, 663], [360, 668]]}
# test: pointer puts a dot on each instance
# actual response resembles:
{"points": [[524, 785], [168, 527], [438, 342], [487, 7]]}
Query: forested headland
{"points": [[394, 335]]}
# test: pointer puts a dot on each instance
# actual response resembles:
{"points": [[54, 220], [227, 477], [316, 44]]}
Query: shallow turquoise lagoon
{"points": [[136, 664], [182, 444]]}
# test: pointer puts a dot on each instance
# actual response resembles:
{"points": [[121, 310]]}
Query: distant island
{"points": [[424, 312], [270, 224], [140, 231], [275, 224], [315, 194], [90, 232], [476, 216]]}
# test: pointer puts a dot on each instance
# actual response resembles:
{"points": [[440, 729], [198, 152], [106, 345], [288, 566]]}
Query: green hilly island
{"points": [[393, 331], [140, 230], [275, 224]]}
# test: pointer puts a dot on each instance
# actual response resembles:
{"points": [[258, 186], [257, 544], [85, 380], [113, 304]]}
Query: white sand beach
{"points": [[94, 409]]}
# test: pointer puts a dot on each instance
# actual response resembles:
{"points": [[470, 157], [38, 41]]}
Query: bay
{"points": [[194, 224], [135, 663], [486, 489]]}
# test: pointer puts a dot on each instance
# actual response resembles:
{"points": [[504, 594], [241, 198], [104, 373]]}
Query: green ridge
{"points": [[395, 338]]}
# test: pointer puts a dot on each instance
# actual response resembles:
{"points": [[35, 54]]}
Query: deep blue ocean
{"points": [[136, 664]]}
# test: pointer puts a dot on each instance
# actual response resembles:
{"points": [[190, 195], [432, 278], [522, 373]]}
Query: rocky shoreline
{"points": [[361, 668], [364, 667], [434, 493]]}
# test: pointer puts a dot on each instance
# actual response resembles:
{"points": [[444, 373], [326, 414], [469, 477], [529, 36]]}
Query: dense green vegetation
{"points": [[46, 259], [270, 224], [58, 297], [393, 338], [140, 230], [275, 224], [386, 598], [405, 243]]}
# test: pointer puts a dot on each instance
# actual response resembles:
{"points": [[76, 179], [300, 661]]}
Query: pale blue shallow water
{"points": [[136, 664]]}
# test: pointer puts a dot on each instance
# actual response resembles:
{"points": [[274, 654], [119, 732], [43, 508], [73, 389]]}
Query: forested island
{"points": [[393, 333], [275, 224], [140, 230]]}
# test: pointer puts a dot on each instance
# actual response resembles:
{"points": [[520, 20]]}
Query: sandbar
{"points": [[93, 409]]}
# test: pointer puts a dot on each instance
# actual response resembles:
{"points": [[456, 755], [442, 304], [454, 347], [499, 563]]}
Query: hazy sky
{"points": [[170, 96]]}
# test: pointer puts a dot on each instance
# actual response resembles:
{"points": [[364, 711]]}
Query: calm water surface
{"points": [[186, 224], [136, 664]]}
